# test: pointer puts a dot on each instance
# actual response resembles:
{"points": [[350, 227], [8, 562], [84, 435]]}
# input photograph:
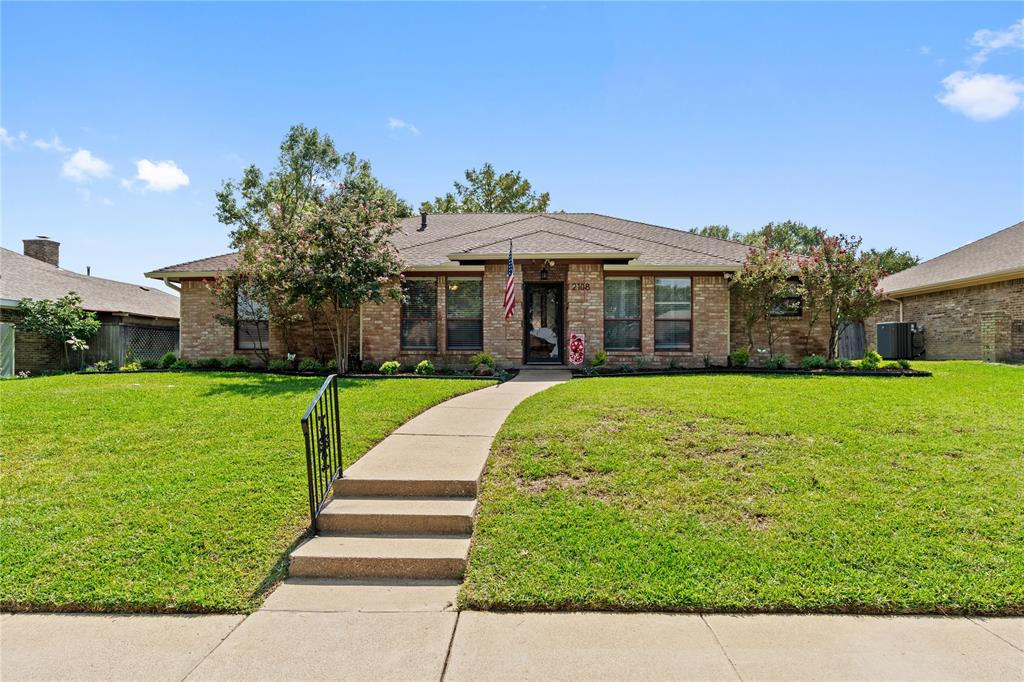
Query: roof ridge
{"points": [[645, 239]]}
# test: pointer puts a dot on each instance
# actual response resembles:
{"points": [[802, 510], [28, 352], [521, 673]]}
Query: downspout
{"points": [[168, 283], [886, 297], [360, 334]]}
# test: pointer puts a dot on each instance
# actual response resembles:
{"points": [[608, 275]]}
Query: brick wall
{"points": [[33, 352], [585, 305], [790, 336], [202, 335], [983, 322]]}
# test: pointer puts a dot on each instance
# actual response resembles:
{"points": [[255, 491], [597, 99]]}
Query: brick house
{"points": [[129, 313], [642, 293], [968, 302]]}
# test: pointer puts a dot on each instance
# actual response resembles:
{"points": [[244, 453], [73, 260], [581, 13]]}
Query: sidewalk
{"points": [[423, 643]]}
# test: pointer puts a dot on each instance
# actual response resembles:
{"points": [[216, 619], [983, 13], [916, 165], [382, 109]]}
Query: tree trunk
{"points": [[343, 363]]}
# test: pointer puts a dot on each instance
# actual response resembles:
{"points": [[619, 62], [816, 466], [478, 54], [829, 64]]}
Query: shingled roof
{"points": [[450, 238], [25, 277], [995, 257]]}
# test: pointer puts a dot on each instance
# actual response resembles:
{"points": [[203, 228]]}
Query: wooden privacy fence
{"points": [[851, 340], [117, 342]]}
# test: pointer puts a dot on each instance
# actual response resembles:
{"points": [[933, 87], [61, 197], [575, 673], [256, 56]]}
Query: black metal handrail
{"points": [[321, 428]]}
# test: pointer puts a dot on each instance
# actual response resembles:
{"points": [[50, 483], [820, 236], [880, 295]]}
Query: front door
{"points": [[543, 333]]}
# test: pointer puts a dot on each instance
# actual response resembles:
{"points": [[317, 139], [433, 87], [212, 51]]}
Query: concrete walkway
{"points": [[428, 642], [379, 628]]}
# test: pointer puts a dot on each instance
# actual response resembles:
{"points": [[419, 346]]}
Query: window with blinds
{"points": [[252, 326], [419, 313], [622, 313], [673, 310], [464, 310]]}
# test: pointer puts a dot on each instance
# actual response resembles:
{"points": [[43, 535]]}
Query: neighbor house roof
{"points": [[25, 277], [449, 239], [997, 257]]}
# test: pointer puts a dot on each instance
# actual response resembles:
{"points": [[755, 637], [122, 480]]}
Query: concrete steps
{"points": [[406, 487], [382, 556], [402, 515]]}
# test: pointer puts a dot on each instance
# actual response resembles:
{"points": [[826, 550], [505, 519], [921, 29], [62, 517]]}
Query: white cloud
{"points": [[399, 124], [82, 165], [53, 144], [988, 41], [981, 96], [924, 50], [161, 176], [8, 140]]}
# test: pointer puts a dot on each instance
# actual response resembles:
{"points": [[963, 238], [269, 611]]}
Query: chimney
{"points": [[43, 248], [423, 221]]}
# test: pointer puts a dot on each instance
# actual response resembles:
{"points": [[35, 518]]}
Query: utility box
{"points": [[895, 340]]}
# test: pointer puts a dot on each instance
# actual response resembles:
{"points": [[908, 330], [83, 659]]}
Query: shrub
{"points": [[180, 364], [740, 357], [236, 362], [279, 365], [845, 363], [207, 363], [871, 360], [814, 362], [104, 366], [600, 359], [425, 367], [776, 361], [150, 364], [892, 365], [706, 358], [369, 365], [904, 364], [310, 365], [168, 359], [484, 358], [832, 364], [131, 367], [89, 369], [390, 367]]}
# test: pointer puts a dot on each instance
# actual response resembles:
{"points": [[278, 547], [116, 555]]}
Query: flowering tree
{"points": [[842, 286], [62, 320], [760, 288], [314, 237]]}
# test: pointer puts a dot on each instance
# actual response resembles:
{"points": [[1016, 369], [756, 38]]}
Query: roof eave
{"points": [[177, 276], [972, 281], [646, 267], [579, 255]]}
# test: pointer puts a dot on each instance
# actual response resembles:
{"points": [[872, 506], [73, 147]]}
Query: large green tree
{"points": [[314, 236], [891, 260], [488, 192], [718, 232]]}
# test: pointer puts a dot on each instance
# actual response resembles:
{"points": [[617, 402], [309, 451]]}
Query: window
{"points": [[622, 313], [252, 329], [673, 310], [791, 305], [419, 313], [464, 306]]}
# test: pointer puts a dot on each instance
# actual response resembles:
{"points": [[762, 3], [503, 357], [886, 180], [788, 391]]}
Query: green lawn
{"points": [[759, 493], [176, 491]]}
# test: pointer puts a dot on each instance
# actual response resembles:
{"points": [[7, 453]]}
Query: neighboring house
{"points": [[969, 302], [137, 318], [638, 291]]}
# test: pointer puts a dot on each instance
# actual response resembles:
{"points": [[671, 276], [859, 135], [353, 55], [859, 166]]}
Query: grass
{"points": [[167, 492], [749, 493]]}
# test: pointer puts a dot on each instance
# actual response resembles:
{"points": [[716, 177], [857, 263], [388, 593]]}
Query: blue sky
{"points": [[898, 122]]}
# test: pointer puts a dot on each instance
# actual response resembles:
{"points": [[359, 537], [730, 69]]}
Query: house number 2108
{"points": [[580, 286]]}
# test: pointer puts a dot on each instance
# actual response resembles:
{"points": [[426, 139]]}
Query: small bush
{"points": [[150, 364], [814, 362], [390, 367], [484, 358], [776, 361], [425, 367], [279, 365], [89, 369], [832, 364], [600, 359], [871, 360], [104, 366], [845, 363], [904, 364], [310, 365], [208, 363], [369, 365], [168, 359], [180, 365], [131, 367], [740, 357], [236, 362], [892, 365]]}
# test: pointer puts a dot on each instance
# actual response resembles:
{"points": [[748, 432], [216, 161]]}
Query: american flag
{"points": [[510, 285]]}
